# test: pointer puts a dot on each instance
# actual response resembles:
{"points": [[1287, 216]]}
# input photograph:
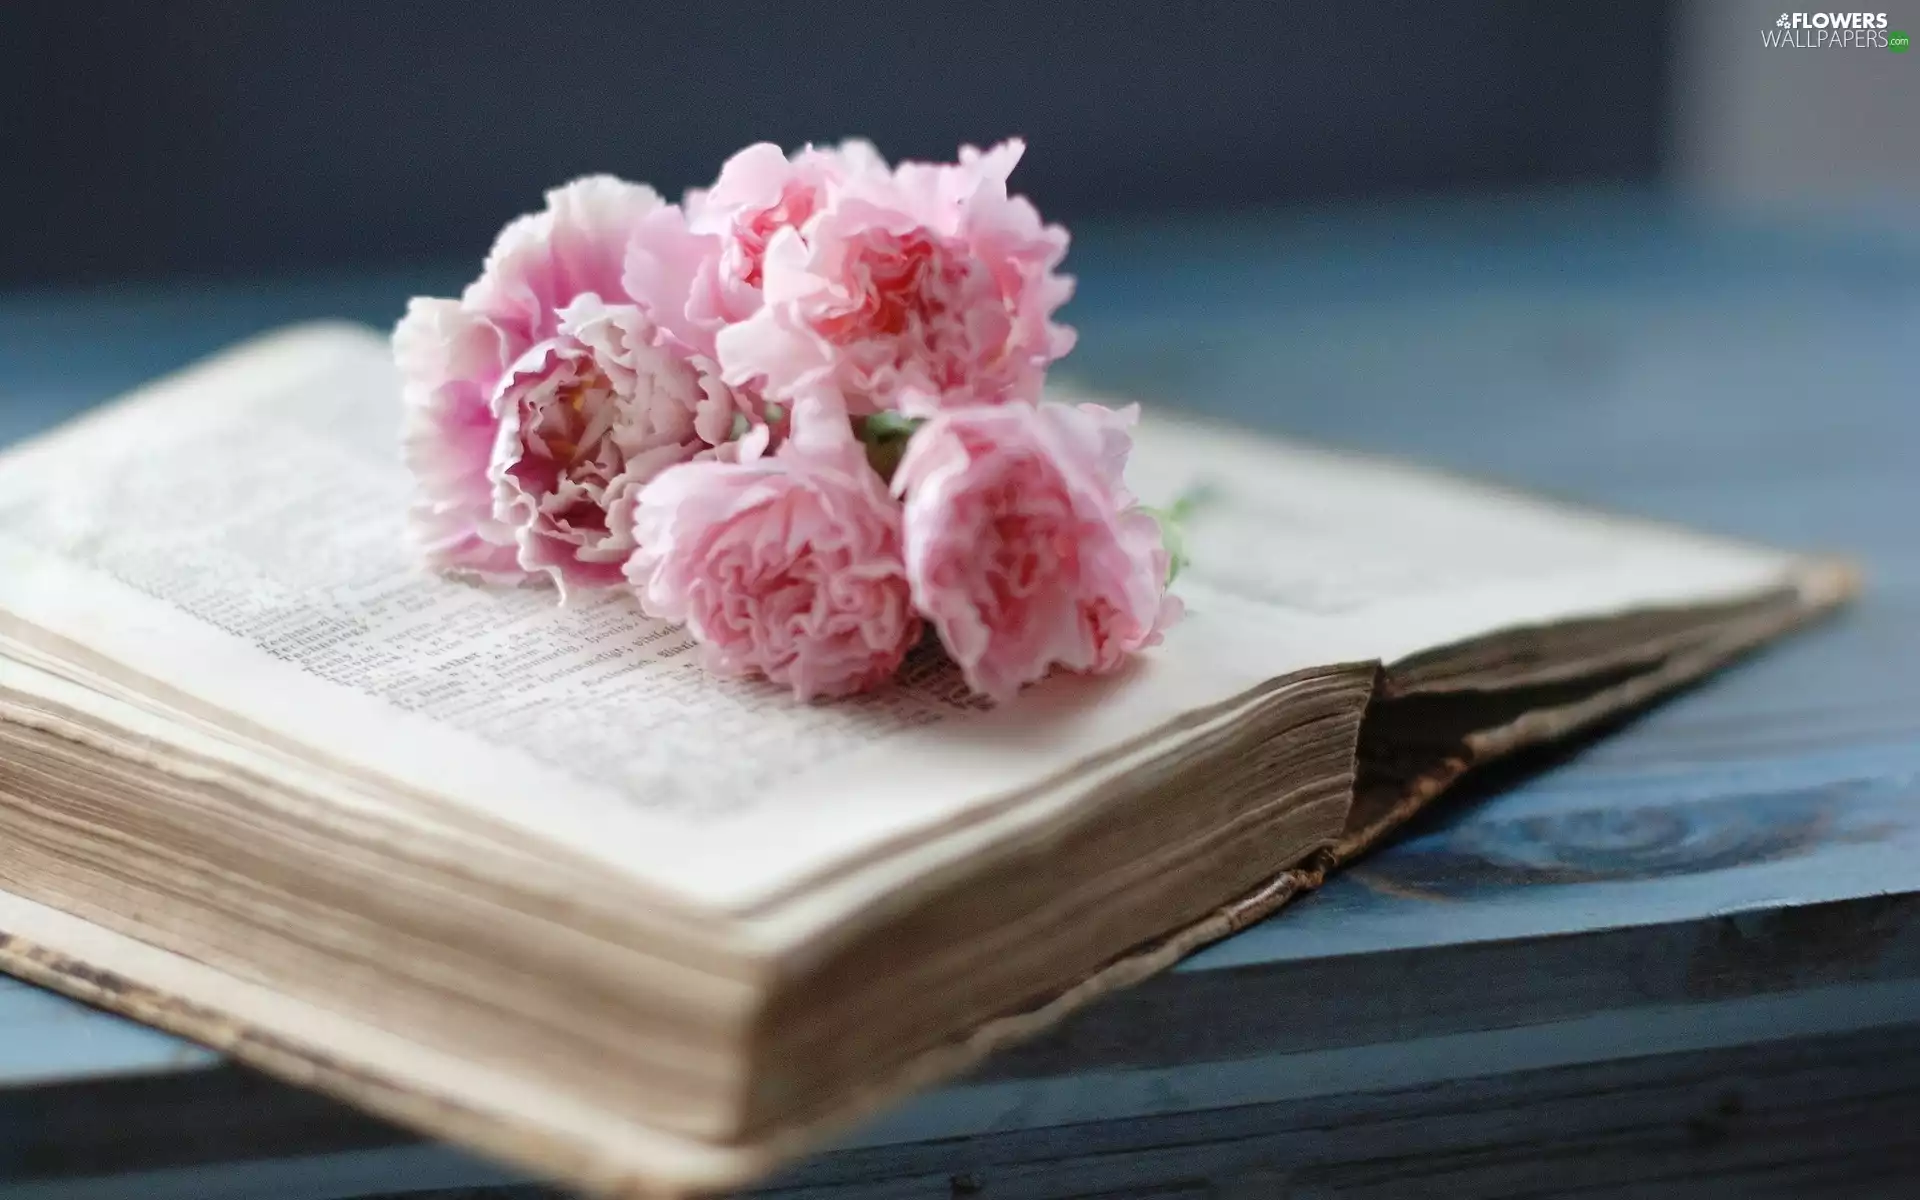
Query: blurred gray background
{"points": [[150, 140], [197, 139], [1827, 130]]}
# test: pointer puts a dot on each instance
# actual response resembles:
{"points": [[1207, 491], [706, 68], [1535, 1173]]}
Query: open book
{"points": [[526, 877]]}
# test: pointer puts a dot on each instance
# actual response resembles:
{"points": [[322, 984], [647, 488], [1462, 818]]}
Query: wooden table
{"points": [[1681, 960]]}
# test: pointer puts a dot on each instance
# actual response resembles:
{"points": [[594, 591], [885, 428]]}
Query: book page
{"points": [[1377, 559], [236, 534]]}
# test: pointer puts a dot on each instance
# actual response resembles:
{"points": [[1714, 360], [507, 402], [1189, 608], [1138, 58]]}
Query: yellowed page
{"points": [[510, 1115], [1376, 559], [235, 534]]}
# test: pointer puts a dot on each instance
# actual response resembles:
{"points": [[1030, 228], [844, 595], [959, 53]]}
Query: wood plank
{"points": [[1726, 1115], [1831, 1114], [1401, 996]]}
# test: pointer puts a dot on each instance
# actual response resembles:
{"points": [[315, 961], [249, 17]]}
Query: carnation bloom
{"points": [[914, 290], [1024, 549], [584, 419], [577, 245], [537, 401], [449, 361], [786, 566], [711, 259], [761, 191]]}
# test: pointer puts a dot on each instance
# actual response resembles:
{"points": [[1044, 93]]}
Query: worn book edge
{"points": [[550, 1152]]}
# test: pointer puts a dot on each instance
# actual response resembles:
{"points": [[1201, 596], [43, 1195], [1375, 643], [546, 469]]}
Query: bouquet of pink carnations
{"points": [[800, 412]]}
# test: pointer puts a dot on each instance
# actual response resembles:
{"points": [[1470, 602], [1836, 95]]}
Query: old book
{"points": [[525, 877]]}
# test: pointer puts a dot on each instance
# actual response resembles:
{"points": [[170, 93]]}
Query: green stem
{"points": [[885, 436], [1172, 521], [1194, 497]]}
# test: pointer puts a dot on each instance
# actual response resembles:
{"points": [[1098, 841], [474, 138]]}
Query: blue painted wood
{"points": [[47, 1039], [1738, 867], [1830, 1116]]}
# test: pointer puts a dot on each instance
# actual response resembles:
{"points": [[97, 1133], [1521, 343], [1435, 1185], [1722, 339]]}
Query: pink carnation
{"points": [[786, 566], [923, 288], [1024, 548], [711, 259], [577, 245], [584, 420], [760, 192], [449, 361], [539, 401]]}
